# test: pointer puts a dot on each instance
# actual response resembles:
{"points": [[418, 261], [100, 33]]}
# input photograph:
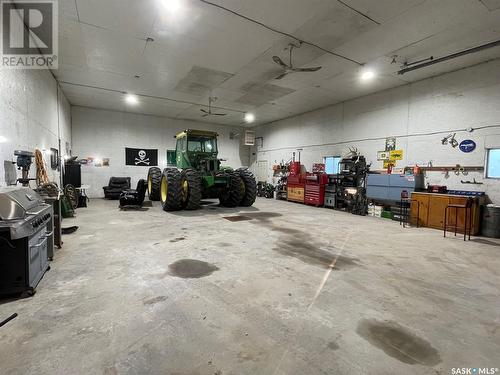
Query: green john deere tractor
{"points": [[198, 174]]}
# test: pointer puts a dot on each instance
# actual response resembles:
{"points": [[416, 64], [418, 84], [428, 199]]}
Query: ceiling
{"points": [[200, 50]]}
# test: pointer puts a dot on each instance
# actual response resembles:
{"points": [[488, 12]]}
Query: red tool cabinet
{"points": [[315, 189]]}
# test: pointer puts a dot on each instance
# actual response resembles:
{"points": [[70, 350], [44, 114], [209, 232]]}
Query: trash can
{"points": [[490, 226]]}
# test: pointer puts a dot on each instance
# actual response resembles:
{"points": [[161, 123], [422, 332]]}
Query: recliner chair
{"points": [[116, 186], [134, 198]]}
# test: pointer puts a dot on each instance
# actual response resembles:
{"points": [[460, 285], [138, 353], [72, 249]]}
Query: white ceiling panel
{"points": [[70, 48], [334, 26], [454, 39], [104, 99], [491, 4], [110, 51], [194, 113], [423, 21], [383, 10], [67, 9], [348, 85], [104, 52], [284, 15], [129, 17]]}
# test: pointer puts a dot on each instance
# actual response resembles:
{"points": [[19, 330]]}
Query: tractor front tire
{"points": [[250, 187], [154, 180], [170, 189], [191, 189], [233, 195]]}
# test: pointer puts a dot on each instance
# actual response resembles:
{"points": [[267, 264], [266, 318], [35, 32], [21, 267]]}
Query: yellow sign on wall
{"points": [[396, 155], [392, 163]]}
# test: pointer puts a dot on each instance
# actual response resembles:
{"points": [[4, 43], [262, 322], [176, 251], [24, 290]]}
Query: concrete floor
{"points": [[290, 290]]}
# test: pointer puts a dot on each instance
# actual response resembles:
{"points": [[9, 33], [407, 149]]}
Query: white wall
{"points": [[453, 101], [105, 134], [29, 116]]}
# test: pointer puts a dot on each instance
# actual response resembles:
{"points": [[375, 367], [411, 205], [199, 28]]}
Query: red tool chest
{"points": [[315, 189]]}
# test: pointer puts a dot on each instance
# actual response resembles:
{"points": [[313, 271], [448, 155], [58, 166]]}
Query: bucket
{"points": [[491, 222]]}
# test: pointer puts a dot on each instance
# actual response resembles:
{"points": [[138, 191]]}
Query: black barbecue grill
{"points": [[26, 239]]}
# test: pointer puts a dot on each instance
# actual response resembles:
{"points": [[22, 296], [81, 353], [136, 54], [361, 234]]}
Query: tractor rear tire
{"points": [[250, 187], [232, 197], [191, 189], [170, 190], [154, 179]]}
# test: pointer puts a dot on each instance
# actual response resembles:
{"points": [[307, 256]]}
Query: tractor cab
{"points": [[197, 149]]}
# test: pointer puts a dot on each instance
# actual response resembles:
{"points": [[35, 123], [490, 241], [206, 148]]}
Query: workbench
{"points": [[430, 210]]}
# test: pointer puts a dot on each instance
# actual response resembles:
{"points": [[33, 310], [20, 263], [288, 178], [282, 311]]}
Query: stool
{"points": [[468, 217], [406, 212], [405, 206]]}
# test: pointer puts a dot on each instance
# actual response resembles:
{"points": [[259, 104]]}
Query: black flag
{"points": [[141, 157]]}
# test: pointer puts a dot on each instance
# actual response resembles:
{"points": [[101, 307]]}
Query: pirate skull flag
{"points": [[141, 157]]}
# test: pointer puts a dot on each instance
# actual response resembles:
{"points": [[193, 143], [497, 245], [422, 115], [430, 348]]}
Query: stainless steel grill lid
{"points": [[17, 202]]}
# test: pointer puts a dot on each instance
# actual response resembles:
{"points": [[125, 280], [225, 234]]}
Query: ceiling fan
{"points": [[209, 112], [289, 68]]}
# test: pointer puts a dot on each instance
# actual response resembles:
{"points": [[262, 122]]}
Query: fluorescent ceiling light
{"points": [[132, 99], [367, 75], [249, 117], [3, 139]]}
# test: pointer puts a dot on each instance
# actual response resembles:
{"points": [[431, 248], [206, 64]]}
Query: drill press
{"points": [[24, 161]]}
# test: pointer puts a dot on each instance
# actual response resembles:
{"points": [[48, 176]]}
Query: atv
{"points": [[197, 173]]}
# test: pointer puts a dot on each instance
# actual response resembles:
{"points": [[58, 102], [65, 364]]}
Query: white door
{"points": [[262, 171]]}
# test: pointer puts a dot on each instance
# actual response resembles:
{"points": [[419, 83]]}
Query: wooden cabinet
{"points": [[430, 209], [296, 193]]}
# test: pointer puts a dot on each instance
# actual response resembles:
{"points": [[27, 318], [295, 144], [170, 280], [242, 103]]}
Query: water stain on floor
{"points": [[253, 356], [178, 239], [191, 269], [237, 218], [398, 342], [110, 371], [262, 215], [259, 216], [85, 331], [301, 245], [154, 300], [332, 345], [312, 254]]}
